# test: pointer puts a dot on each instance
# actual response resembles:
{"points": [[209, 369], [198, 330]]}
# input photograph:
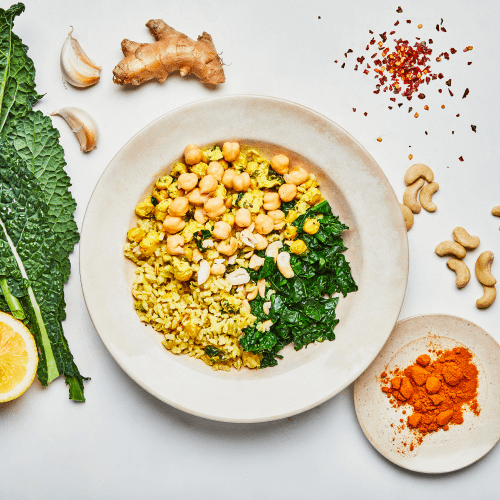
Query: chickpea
{"points": [[230, 151], [280, 163], [136, 234], [199, 216], [297, 176], [144, 208], [241, 182], [243, 217], [218, 269], [222, 230], [271, 201], [214, 207], [187, 181], [228, 247], [175, 244], [149, 243], [192, 154], [287, 192], [173, 225], [195, 198], [179, 207], [298, 247], [311, 226], [277, 215], [215, 169], [261, 241], [208, 184], [264, 224], [228, 178]]}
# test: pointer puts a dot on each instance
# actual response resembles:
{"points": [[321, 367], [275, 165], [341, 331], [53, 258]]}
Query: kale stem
{"points": [[14, 305]]}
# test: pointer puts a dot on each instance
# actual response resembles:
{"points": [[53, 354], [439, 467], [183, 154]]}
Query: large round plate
{"points": [[357, 190], [440, 451]]}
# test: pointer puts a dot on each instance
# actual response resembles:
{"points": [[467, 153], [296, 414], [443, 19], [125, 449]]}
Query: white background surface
{"points": [[123, 443]]}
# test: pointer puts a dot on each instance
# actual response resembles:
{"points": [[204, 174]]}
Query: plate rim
{"points": [[114, 352]]}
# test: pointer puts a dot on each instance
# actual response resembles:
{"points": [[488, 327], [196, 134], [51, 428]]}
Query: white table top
{"points": [[122, 442]]}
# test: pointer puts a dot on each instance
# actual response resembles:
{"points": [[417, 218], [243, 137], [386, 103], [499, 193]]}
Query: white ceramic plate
{"points": [[440, 451], [357, 190]]}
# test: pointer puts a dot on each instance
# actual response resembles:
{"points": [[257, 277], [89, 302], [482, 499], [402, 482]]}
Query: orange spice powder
{"points": [[438, 391]]}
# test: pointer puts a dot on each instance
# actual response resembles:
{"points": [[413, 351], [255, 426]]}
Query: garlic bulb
{"points": [[77, 68], [82, 124]]}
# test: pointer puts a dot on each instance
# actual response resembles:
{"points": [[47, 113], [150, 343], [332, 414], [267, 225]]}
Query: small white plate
{"points": [[440, 451], [356, 188]]}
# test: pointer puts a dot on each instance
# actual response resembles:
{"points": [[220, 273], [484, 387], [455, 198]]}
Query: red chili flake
{"points": [[365, 113], [458, 115], [390, 107], [421, 96], [426, 133], [443, 29], [366, 72], [335, 61], [442, 106], [437, 27], [408, 21], [448, 82], [426, 107], [393, 99], [343, 65], [446, 56], [399, 10], [396, 23], [440, 90], [356, 68], [469, 63], [452, 50], [473, 127], [379, 139], [440, 76], [360, 59], [441, 20], [370, 31], [392, 33], [410, 109], [354, 109], [349, 51], [452, 131], [416, 115], [451, 93], [400, 104], [461, 158], [367, 47], [430, 40], [420, 26], [410, 157], [466, 93]]}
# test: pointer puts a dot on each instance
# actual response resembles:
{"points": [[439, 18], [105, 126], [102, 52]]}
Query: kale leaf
{"points": [[302, 308]]}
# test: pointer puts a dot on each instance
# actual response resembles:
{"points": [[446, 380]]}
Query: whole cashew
{"points": [[483, 266], [461, 270], [418, 170], [410, 196], [408, 216], [450, 248], [284, 266], [460, 235], [489, 296], [426, 196]]}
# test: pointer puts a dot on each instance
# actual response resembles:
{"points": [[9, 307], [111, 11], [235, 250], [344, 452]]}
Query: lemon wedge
{"points": [[18, 358]]}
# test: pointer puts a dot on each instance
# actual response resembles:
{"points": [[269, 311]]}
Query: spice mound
{"points": [[438, 391]]}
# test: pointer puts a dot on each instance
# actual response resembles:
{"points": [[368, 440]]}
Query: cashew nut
{"points": [[461, 270], [279, 164], [248, 238], [266, 307], [173, 225], [230, 151], [261, 242], [214, 207], [203, 272], [483, 266], [238, 277], [261, 287], [221, 231], [284, 266], [252, 294], [266, 326], [271, 201], [218, 269], [175, 244], [187, 181], [418, 170], [256, 262], [410, 196], [273, 249], [245, 306], [192, 154], [229, 247], [426, 196], [449, 247], [489, 296], [460, 235], [408, 216]]}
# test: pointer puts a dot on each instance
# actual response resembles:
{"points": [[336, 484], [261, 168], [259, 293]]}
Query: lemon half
{"points": [[18, 358]]}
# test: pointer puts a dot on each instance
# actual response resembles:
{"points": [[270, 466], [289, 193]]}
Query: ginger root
{"points": [[172, 51]]}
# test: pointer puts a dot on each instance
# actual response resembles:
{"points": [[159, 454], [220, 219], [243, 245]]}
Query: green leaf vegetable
{"points": [[302, 307], [37, 228]]}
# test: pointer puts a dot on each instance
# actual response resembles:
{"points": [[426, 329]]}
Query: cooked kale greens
{"points": [[37, 228], [302, 308], [200, 237]]}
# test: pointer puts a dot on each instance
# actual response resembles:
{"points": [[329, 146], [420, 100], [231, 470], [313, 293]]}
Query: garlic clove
{"points": [[83, 126], [77, 68]]}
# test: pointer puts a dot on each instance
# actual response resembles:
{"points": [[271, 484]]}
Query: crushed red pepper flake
{"points": [[461, 158], [399, 10], [410, 157], [466, 93], [379, 139], [473, 127]]}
